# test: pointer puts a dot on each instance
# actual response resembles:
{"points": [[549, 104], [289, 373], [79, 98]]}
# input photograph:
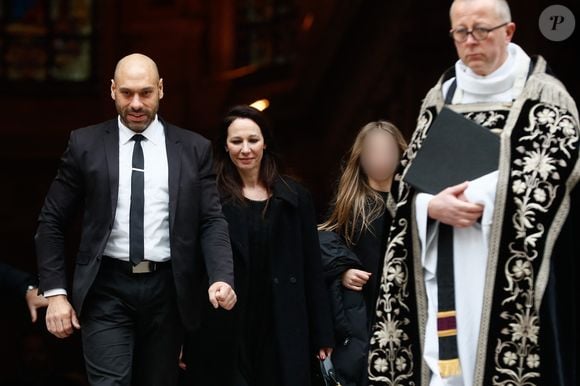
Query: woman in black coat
{"points": [[282, 318]]}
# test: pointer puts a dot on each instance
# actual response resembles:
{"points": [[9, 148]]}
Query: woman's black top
{"points": [[258, 359]]}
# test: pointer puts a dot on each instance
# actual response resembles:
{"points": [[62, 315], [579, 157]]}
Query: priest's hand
{"points": [[222, 295], [451, 207]]}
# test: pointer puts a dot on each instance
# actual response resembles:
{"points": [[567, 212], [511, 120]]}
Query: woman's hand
{"points": [[355, 279], [324, 353], [182, 365]]}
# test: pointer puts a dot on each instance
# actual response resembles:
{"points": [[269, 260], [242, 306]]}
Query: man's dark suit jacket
{"points": [[88, 178]]}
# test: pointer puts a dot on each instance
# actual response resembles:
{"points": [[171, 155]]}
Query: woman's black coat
{"points": [[301, 308]]}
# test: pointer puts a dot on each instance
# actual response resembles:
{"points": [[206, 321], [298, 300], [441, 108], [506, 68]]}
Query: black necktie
{"points": [[136, 238]]}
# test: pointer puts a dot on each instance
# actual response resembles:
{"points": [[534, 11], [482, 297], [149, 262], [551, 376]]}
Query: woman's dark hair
{"points": [[229, 182]]}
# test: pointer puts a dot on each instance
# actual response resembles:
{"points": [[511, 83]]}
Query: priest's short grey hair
{"points": [[502, 8]]}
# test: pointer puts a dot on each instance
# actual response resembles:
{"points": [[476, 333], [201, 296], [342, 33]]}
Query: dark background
{"points": [[346, 62]]}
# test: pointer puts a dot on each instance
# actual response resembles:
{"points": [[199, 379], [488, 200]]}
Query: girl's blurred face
{"points": [[245, 144], [380, 155]]}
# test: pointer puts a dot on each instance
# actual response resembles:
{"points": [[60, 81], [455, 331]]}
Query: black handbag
{"points": [[328, 373]]}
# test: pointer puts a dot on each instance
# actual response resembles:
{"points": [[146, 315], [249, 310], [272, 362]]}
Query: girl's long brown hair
{"points": [[356, 205]]}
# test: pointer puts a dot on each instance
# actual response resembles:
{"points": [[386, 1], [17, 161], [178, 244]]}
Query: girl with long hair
{"points": [[353, 241]]}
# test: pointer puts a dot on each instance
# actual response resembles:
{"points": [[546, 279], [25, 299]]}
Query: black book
{"points": [[455, 150]]}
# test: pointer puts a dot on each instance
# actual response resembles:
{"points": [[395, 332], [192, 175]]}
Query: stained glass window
{"points": [[46, 40], [265, 32]]}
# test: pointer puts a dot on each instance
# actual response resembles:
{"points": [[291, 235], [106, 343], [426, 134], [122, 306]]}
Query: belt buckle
{"points": [[143, 267]]}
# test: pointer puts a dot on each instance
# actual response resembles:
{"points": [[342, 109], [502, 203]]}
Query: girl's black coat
{"points": [[351, 325]]}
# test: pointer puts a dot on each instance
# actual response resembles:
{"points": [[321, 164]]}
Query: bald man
{"points": [[152, 229], [478, 283]]}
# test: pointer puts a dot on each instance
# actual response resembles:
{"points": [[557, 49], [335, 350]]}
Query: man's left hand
{"points": [[222, 295]]}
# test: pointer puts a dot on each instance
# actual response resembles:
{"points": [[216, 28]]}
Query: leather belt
{"points": [[145, 266]]}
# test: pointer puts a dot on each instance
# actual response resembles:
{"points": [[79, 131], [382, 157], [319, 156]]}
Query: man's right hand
{"points": [[61, 318], [451, 207]]}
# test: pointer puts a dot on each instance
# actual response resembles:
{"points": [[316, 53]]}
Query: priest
{"points": [[494, 304]]}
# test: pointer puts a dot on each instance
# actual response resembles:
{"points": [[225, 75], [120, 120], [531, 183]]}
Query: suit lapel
{"points": [[173, 146], [111, 142]]}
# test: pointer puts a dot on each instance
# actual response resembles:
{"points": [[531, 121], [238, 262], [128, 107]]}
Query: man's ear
{"points": [[510, 29], [113, 86], [161, 88]]}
